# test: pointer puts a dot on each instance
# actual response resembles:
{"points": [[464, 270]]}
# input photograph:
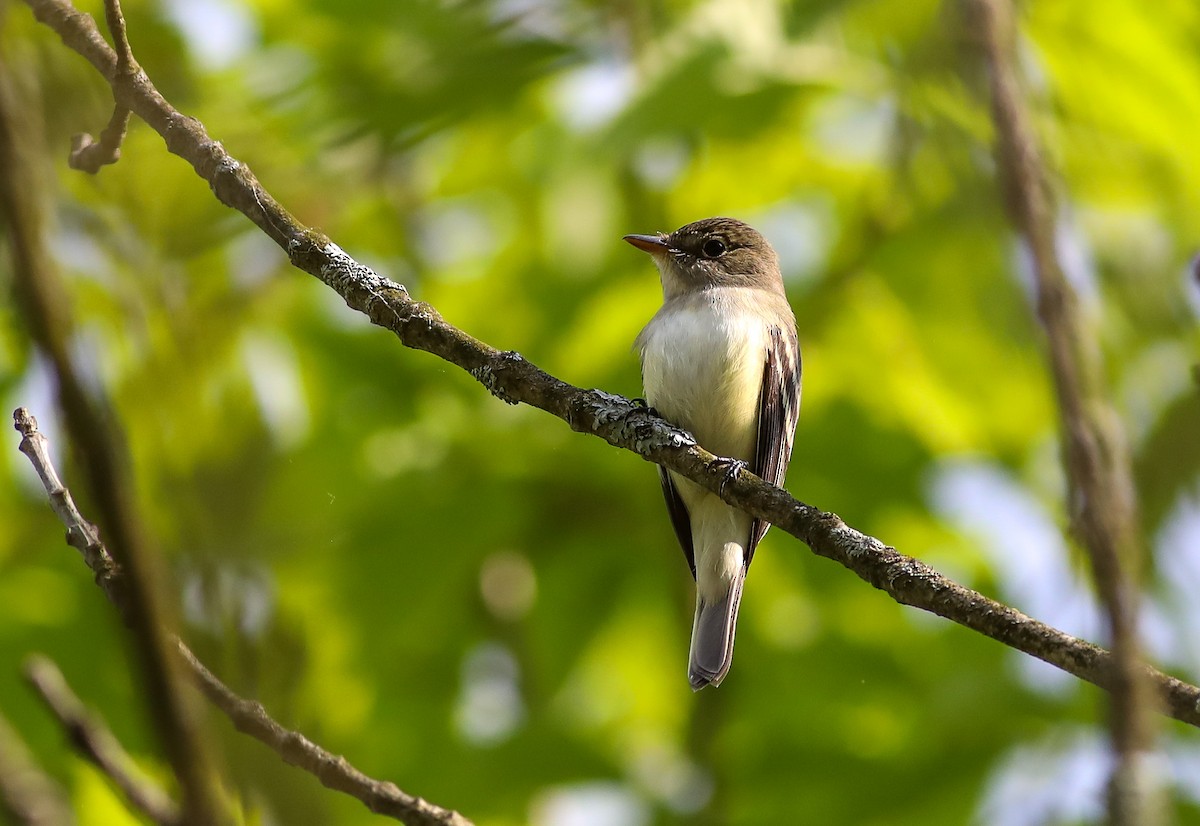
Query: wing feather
{"points": [[680, 519], [778, 412]]}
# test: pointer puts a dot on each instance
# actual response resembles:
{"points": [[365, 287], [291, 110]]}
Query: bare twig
{"points": [[116, 27], [246, 715], [28, 797], [1102, 502], [94, 437], [88, 154], [334, 772], [616, 420], [81, 534], [98, 744]]}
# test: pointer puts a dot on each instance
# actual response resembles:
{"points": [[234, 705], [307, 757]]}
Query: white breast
{"points": [[702, 366]]}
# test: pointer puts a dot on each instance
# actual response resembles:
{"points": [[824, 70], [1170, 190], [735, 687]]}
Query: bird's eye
{"points": [[713, 248]]}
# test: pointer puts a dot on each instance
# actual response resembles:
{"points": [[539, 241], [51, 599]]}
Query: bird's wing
{"points": [[680, 520], [778, 411]]}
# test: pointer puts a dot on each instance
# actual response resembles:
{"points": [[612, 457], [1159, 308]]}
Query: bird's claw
{"points": [[645, 405], [732, 468]]}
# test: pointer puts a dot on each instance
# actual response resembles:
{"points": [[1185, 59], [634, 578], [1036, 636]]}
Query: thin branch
{"points": [[81, 534], [93, 739], [1195, 270], [334, 772], [116, 27], [247, 716], [88, 154], [613, 418], [28, 796], [95, 438], [1102, 501]]}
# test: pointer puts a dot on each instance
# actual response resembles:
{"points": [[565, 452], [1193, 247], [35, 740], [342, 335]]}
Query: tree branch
{"points": [[98, 744], [1101, 495], [333, 771], [249, 717], [615, 419], [41, 295], [81, 534], [28, 797], [87, 154]]}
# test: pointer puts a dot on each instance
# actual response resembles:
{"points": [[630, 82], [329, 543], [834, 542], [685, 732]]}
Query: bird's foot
{"points": [[732, 468], [645, 405]]}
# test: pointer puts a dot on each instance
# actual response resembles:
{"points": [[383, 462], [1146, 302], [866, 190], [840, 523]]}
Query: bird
{"points": [[720, 359]]}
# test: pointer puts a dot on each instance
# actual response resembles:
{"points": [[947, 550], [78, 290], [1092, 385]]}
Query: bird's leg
{"points": [[732, 468]]}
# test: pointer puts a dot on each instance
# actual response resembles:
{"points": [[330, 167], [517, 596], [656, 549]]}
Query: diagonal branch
{"points": [[28, 796], [81, 534], [1101, 498], [247, 716], [618, 421], [334, 772], [98, 744], [41, 295]]}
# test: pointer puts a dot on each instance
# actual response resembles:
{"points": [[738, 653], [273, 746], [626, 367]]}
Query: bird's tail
{"points": [[712, 635]]}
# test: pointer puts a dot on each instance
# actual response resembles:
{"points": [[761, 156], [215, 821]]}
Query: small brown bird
{"points": [[720, 359]]}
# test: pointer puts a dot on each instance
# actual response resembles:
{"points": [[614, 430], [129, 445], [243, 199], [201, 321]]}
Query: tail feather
{"points": [[712, 635]]}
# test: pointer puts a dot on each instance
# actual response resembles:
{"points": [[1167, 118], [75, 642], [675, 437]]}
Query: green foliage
{"points": [[490, 610]]}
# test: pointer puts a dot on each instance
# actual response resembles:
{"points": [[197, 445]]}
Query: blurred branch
{"points": [[333, 771], [247, 716], [1101, 498], [99, 745], [44, 307], [28, 797], [613, 418], [1195, 267]]}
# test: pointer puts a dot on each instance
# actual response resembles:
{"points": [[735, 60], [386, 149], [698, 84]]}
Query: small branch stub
{"points": [[87, 153]]}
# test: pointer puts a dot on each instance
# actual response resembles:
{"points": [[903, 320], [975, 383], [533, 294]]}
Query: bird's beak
{"points": [[653, 244]]}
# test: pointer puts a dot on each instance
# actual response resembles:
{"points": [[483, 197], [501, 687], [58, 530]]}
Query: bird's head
{"points": [[715, 252]]}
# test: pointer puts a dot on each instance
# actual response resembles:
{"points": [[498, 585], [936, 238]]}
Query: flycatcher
{"points": [[721, 360]]}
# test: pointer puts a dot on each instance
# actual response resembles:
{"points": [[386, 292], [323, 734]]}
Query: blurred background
{"points": [[471, 600]]}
